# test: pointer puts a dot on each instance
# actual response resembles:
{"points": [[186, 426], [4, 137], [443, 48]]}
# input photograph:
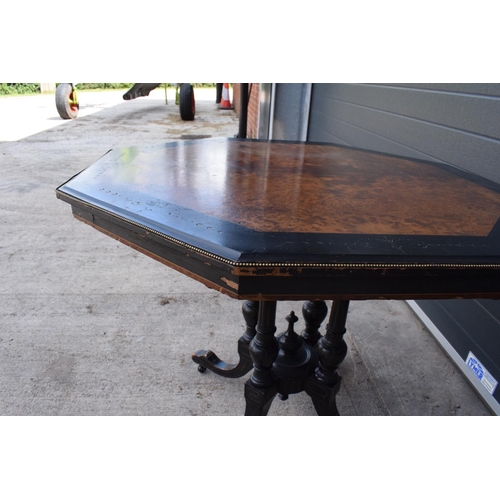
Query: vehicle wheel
{"points": [[186, 102], [66, 101]]}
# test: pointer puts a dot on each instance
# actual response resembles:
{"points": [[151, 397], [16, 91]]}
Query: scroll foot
{"points": [[209, 360]]}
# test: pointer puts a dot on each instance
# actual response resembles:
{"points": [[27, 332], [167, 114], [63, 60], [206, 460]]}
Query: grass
{"points": [[10, 89]]}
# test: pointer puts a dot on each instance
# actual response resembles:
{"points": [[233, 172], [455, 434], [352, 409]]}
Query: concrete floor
{"points": [[92, 327]]}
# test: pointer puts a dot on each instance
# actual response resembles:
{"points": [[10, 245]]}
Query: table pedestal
{"points": [[289, 363]]}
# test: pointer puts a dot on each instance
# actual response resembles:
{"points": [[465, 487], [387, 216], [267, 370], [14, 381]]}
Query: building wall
{"points": [[253, 111], [253, 107], [236, 97]]}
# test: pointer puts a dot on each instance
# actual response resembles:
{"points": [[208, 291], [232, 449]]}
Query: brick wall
{"points": [[253, 107], [236, 97]]}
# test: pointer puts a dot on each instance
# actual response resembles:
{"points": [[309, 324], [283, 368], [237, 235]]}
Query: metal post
{"points": [[242, 133]]}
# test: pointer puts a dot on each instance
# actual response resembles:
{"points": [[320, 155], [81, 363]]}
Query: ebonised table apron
{"points": [[263, 221]]}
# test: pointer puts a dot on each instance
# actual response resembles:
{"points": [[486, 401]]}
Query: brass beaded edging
{"points": [[280, 264]]}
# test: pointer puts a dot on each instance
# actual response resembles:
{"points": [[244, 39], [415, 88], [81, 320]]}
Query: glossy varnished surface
{"points": [[299, 188], [277, 187], [257, 218]]}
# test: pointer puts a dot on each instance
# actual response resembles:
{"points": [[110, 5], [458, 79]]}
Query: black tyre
{"points": [[66, 101], [218, 92], [186, 102]]}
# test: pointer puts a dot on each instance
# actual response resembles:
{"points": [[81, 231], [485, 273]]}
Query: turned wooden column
{"points": [[324, 384], [262, 386], [264, 347], [332, 348], [314, 313]]}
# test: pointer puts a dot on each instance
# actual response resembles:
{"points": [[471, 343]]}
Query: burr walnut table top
{"points": [[272, 220]]}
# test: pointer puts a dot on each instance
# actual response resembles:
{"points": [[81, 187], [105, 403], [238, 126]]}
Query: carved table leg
{"points": [[208, 359], [286, 365], [262, 386], [314, 313], [324, 384]]}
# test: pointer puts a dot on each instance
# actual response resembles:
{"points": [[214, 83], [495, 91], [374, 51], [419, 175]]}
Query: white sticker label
{"points": [[481, 373]]}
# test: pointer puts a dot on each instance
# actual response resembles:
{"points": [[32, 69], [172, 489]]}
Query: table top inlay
{"points": [[279, 187], [272, 203]]}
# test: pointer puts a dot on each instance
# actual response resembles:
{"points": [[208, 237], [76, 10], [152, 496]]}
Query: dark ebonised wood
{"points": [[270, 220]]}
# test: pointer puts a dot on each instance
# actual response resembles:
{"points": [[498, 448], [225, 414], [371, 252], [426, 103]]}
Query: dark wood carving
{"points": [[265, 221], [314, 313], [208, 359]]}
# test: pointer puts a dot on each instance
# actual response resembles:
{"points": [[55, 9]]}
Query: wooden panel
{"points": [[294, 188], [269, 220]]}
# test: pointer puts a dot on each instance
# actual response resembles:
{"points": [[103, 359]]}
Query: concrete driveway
{"points": [[92, 327]]}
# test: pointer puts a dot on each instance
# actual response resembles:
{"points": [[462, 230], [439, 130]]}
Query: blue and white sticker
{"points": [[481, 373]]}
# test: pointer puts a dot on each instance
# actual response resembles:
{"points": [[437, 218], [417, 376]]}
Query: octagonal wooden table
{"points": [[267, 220]]}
